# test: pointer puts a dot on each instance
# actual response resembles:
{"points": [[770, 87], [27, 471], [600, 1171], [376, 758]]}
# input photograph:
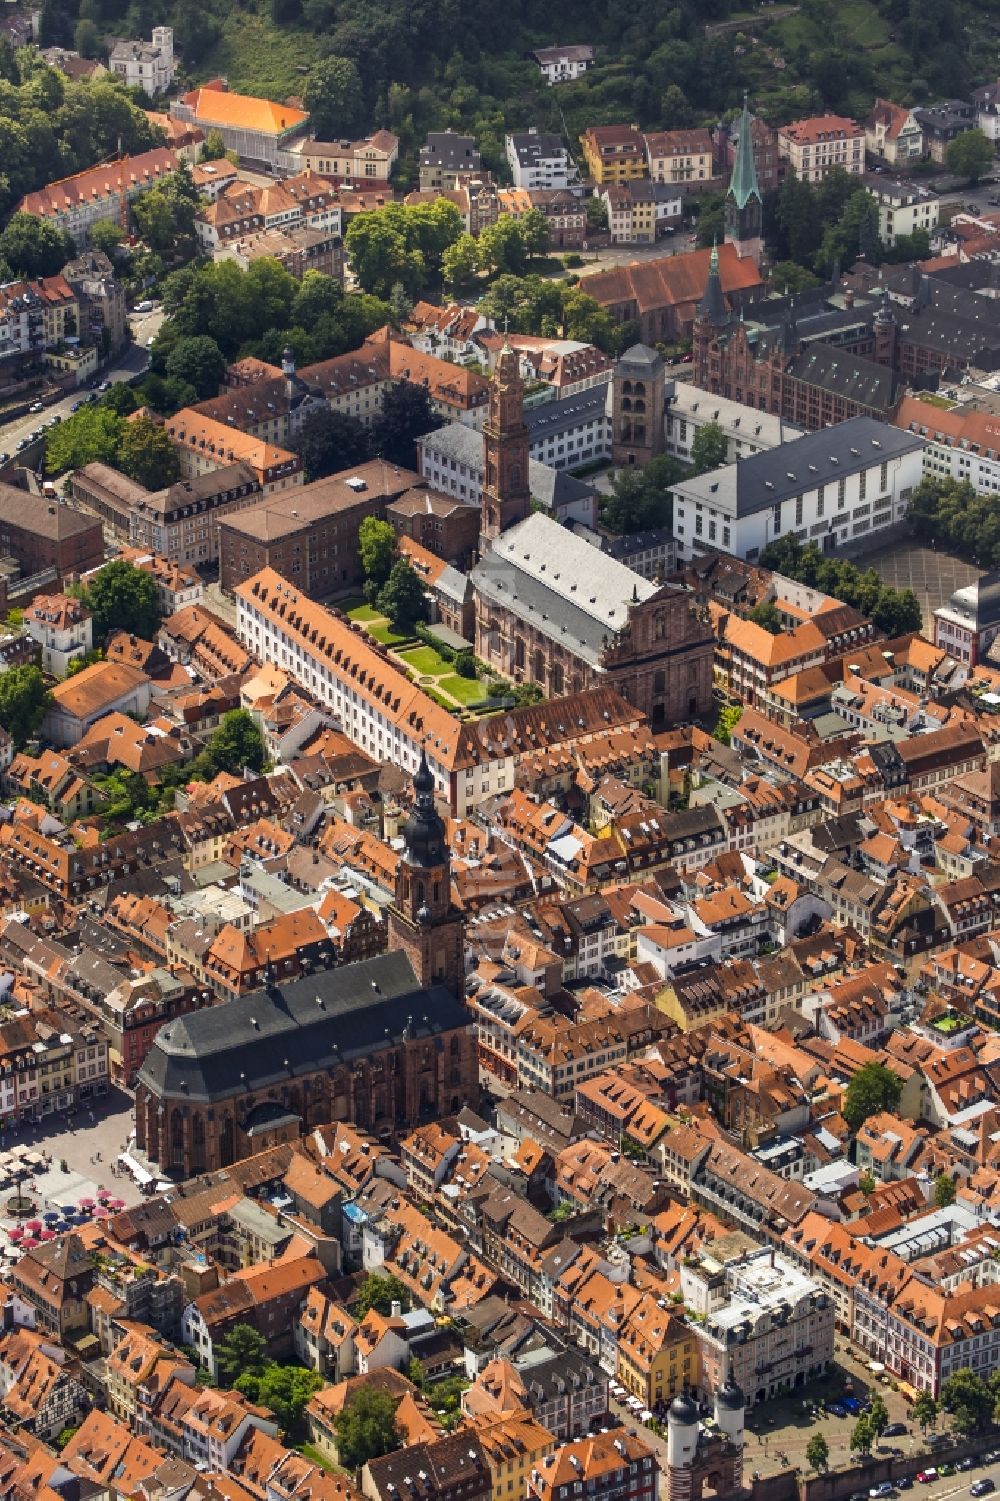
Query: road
{"points": [[132, 361]]}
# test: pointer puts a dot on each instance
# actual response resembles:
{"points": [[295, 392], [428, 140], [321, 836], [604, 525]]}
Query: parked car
{"points": [[927, 1477], [894, 1430], [946, 1470], [852, 1405], [105, 385], [904, 1483], [837, 1410], [982, 1487], [36, 406], [884, 1488], [968, 1463], [4, 458], [144, 307], [76, 405]]}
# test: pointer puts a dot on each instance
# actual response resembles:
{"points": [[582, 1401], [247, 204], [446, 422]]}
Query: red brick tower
{"points": [[506, 496]]}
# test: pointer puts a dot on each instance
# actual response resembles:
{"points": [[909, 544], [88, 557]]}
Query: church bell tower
{"points": [[506, 497], [422, 921], [744, 205]]}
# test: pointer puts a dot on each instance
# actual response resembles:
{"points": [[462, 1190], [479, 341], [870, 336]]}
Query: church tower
{"points": [[422, 921], [744, 206], [506, 496], [711, 319]]}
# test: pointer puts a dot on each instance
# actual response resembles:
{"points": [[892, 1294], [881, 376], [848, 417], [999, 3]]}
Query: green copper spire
{"points": [[743, 185]]}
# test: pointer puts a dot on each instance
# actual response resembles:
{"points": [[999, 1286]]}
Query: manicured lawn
{"points": [[425, 659], [364, 613], [385, 635], [463, 690], [309, 1451]]}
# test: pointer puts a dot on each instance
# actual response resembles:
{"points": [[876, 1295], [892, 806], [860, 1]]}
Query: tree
{"points": [[878, 1415], [366, 1427], [501, 247], [239, 1351], [106, 235], [286, 1390], [415, 1371], [236, 744], [711, 221], [198, 360], [944, 1190], [709, 448], [863, 1435], [146, 454], [729, 717], [329, 441], [214, 149], [873, 1088], [400, 305], [34, 247], [597, 214], [123, 598], [91, 435], [403, 597], [969, 1400], [334, 98], [867, 1184], [768, 616], [24, 700], [377, 551], [818, 1453], [535, 232], [380, 1291], [460, 264], [406, 415], [925, 1410], [969, 155], [87, 38], [788, 278], [640, 498]]}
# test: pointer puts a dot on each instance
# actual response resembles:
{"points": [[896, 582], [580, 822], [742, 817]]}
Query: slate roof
{"points": [[300, 1028], [552, 487], [569, 590], [845, 374], [764, 479]]}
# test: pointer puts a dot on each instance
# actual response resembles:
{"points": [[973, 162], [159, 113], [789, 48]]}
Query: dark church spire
{"points": [[712, 307]]}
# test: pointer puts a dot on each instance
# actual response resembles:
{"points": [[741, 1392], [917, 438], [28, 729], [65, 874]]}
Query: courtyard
{"points": [[932, 575], [422, 662]]}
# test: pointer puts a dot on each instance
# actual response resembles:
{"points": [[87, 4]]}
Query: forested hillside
{"points": [[427, 64]]}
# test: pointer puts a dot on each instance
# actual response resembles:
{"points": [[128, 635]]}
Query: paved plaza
{"points": [[932, 575], [89, 1143]]}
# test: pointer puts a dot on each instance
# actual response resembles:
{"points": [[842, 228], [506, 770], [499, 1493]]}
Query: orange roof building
{"points": [[256, 129], [75, 204], [662, 294]]}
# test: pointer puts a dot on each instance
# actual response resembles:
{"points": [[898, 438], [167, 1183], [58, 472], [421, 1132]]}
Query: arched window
{"points": [[539, 667], [556, 680], [515, 476], [626, 432], [626, 403], [659, 682], [626, 386], [519, 651], [639, 388], [640, 405]]}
